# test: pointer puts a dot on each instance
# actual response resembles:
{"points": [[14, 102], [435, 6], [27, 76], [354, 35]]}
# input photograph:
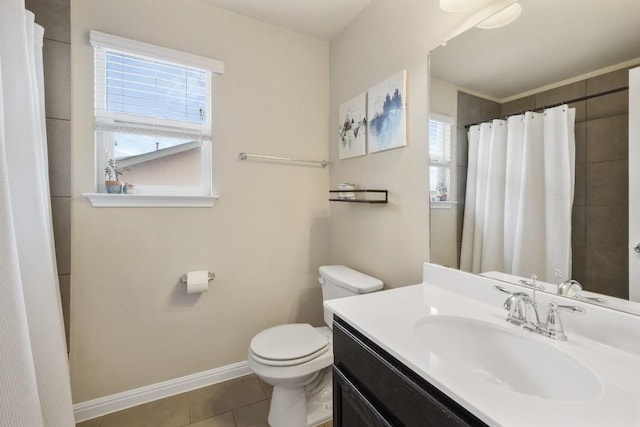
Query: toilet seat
{"points": [[290, 362], [287, 345]]}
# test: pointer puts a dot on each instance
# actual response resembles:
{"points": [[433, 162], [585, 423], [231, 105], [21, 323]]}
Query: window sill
{"points": [[448, 204], [105, 200]]}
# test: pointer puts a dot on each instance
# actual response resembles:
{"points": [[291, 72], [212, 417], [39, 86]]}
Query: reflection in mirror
{"points": [[555, 53]]}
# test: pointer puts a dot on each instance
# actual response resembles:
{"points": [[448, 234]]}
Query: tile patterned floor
{"points": [[242, 402]]}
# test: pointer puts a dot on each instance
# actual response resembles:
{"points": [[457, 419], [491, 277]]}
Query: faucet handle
{"points": [[553, 327], [509, 300], [501, 289], [590, 299], [532, 284], [568, 286]]}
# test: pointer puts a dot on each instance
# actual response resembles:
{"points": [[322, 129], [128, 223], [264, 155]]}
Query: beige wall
{"points": [[388, 241], [132, 323]]}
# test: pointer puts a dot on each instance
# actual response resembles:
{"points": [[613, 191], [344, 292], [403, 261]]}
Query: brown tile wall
{"points": [[606, 259], [54, 16], [600, 217]]}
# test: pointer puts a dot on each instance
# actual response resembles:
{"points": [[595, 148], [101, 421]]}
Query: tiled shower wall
{"points": [[600, 217], [54, 16]]}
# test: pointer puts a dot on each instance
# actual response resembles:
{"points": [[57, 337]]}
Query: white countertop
{"points": [[388, 319]]}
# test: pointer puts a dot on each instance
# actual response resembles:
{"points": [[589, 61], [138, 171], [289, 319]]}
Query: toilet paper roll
{"points": [[197, 282]]}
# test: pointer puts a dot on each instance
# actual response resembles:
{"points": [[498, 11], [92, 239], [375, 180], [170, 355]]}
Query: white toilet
{"points": [[296, 358]]}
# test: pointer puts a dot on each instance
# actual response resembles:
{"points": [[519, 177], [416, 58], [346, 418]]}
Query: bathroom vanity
{"points": [[440, 353], [372, 388]]}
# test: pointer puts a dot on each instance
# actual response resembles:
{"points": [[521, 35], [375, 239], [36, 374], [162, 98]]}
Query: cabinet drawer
{"points": [[400, 395], [352, 407]]}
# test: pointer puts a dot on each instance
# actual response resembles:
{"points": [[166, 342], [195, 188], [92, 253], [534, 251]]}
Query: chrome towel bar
{"points": [[245, 156]]}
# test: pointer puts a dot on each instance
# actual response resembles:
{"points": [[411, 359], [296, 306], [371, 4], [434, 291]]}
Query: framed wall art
{"points": [[352, 131], [387, 113]]}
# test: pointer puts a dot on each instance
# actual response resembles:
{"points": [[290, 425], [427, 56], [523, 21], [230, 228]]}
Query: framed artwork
{"points": [[387, 113], [352, 131]]}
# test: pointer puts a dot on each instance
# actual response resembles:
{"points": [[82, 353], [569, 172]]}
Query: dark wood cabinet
{"points": [[371, 388]]}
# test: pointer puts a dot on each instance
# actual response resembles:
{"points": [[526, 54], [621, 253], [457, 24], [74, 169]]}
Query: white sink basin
{"points": [[505, 359]]}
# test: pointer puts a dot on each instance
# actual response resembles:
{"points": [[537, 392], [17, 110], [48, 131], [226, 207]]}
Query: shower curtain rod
{"points": [[571, 101]]}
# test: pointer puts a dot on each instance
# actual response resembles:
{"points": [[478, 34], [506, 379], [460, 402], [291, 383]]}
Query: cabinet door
{"points": [[351, 408]]}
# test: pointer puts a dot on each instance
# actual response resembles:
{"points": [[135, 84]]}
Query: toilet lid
{"points": [[289, 342]]}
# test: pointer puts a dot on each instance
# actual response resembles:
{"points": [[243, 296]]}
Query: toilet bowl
{"points": [[297, 381], [296, 358]]}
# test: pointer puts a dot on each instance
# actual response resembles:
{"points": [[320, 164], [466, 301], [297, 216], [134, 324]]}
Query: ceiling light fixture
{"points": [[459, 5], [487, 14], [502, 18]]}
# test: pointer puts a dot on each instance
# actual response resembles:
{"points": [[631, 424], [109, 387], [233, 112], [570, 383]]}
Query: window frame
{"points": [[109, 123], [450, 165]]}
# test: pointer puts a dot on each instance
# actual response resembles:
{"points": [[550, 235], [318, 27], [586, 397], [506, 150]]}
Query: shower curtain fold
{"points": [[34, 373], [520, 185]]}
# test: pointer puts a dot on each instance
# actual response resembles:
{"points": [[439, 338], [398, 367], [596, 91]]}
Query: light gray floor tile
{"points": [[224, 420], [268, 389], [223, 397], [170, 412], [254, 415], [95, 422]]}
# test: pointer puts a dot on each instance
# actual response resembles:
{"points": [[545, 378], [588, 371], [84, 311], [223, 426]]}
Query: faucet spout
{"points": [[522, 311]]}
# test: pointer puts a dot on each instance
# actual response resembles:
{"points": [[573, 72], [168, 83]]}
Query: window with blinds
{"points": [[440, 130], [153, 124], [146, 87]]}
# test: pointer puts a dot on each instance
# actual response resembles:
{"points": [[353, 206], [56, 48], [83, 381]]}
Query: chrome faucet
{"points": [[524, 312]]}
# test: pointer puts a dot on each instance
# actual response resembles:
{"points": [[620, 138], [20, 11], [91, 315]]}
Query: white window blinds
{"points": [[440, 139], [146, 89], [150, 88]]}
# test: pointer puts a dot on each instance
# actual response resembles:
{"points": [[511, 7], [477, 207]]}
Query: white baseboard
{"points": [[116, 402]]}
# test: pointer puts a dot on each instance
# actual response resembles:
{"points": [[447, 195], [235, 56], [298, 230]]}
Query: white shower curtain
{"points": [[520, 185], [34, 373]]}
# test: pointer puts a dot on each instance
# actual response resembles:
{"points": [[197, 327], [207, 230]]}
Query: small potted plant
{"points": [[442, 192], [112, 173]]}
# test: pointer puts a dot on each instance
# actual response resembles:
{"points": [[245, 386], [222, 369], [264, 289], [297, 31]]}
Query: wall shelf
{"points": [[361, 196]]}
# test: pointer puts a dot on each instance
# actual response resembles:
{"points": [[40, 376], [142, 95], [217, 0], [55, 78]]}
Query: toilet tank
{"points": [[339, 281]]}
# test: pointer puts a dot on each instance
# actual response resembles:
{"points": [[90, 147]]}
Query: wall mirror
{"points": [[554, 53]]}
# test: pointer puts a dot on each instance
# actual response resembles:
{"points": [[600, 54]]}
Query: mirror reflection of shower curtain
{"points": [[520, 185]]}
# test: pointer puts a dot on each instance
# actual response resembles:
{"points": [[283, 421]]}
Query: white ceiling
{"points": [[553, 40], [323, 19]]}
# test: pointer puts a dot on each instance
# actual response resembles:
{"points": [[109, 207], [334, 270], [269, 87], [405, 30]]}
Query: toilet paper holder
{"points": [[183, 278]]}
